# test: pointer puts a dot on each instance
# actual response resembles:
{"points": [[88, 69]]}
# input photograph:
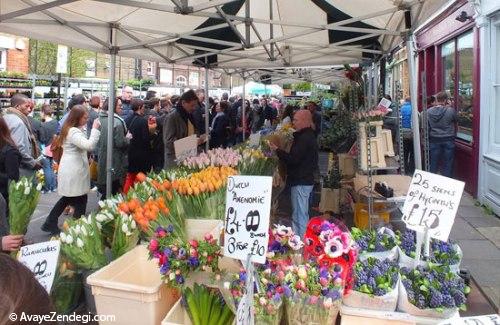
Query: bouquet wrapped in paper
{"points": [[82, 243], [126, 235], [23, 199], [257, 162], [218, 157], [66, 288], [283, 245], [313, 294]]}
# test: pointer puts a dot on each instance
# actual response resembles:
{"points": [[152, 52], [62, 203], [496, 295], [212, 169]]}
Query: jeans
{"points": [[300, 208], [78, 202], [409, 158], [48, 172], [442, 153]]}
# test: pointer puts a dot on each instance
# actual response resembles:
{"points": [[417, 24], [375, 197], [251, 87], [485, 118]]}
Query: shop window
{"points": [[181, 81], [457, 67]]}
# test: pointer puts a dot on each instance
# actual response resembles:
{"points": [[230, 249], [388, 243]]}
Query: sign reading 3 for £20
{"points": [[248, 205]]}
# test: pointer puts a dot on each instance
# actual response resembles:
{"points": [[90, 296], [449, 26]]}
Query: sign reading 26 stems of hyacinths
{"points": [[248, 205], [41, 259], [432, 203]]}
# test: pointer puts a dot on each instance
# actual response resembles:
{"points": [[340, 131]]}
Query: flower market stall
{"points": [[159, 254]]}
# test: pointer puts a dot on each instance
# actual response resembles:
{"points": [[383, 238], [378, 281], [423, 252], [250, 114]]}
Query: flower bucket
{"points": [[387, 302], [66, 293], [406, 306], [301, 310], [330, 200], [270, 319]]}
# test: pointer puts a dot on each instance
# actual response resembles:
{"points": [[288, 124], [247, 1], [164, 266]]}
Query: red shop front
{"points": [[449, 54]]}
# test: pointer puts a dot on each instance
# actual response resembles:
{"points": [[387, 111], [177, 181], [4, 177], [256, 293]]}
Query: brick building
{"points": [[14, 53]]}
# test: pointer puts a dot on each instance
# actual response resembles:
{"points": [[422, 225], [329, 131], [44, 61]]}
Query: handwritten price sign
{"points": [[432, 201], [41, 259], [248, 205]]}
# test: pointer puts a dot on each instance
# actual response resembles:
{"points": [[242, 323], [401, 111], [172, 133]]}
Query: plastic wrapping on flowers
{"points": [[257, 162], [66, 288]]}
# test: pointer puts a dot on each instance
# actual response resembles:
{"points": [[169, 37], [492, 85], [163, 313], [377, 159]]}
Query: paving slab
{"points": [[468, 211], [486, 221], [493, 294], [485, 272], [483, 249], [463, 230], [491, 233], [467, 200]]}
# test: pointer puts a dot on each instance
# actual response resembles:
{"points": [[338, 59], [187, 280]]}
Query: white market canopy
{"points": [[229, 35]]}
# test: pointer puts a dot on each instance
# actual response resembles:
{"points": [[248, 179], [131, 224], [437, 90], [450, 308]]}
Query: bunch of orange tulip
{"points": [[146, 212]]}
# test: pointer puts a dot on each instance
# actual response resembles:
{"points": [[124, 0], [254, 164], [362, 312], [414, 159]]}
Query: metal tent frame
{"points": [[223, 34]]}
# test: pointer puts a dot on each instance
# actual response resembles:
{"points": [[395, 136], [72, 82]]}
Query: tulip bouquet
{"points": [[313, 293], [282, 243], [216, 157], [443, 253], [268, 298], [126, 235], [257, 162], [433, 291], [202, 194], [23, 199], [373, 115], [177, 258], [82, 244]]}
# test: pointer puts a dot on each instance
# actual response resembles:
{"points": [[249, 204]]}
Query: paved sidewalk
{"points": [[478, 234]]}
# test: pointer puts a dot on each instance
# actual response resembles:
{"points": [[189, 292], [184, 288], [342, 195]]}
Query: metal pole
{"points": [[66, 86], [111, 111], [271, 27], [207, 109], [33, 88], [247, 23], [243, 109], [412, 68], [230, 84]]}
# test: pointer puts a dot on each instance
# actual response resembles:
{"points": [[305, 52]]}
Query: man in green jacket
{"points": [[121, 140]]}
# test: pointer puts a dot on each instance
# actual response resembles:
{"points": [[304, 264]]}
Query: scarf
{"points": [[35, 150]]}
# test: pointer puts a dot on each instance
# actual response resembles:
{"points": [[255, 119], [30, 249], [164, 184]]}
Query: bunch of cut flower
{"points": [[375, 243], [268, 295], [216, 157], [443, 253], [283, 243], [66, 288], [178, 258], [373, 115], [23, 199], [433, 291], [202, 194], [313, 293], [375, 285], [145, 212], [257, 162], [206, 306], [82, 243]]}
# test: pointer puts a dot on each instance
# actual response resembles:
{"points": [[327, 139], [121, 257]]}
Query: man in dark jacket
{"points": [[127, 94], [139, 150], [269, 113], [442, 131], [199, 113], [300, 163], [157, 115], [179, 124]]}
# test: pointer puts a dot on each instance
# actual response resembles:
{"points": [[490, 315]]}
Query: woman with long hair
{"points": [[10, 161], [74, 175]]}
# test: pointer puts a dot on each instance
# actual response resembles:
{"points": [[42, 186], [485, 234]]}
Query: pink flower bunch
{"points": [[215, 157], [282, 241]]}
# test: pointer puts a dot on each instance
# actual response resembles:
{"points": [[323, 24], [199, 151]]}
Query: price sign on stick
{"points": [[432, 202], [248, 205], [41, 259], [186, 147]]}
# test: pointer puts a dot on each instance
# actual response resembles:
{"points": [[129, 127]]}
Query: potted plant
{"points": [[330, 192]]}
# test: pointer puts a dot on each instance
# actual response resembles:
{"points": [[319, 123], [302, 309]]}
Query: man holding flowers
{"points": [[300, 163]]}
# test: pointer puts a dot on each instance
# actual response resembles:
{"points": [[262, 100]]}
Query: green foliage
{"points": [[77, 65], [12, 75], [339, 132], [333, 178], [287, 86], [43, 57], [302, 86], [140, 83]]}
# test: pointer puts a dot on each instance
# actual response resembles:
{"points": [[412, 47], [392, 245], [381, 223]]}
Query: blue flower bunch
{"points": [[375, 277], [434, 287], [372, 241], [441, 252]]}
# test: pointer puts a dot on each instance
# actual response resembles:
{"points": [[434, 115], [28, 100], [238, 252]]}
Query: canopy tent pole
{"points": [[410, 48], [207, 109], [243, 109], [111, 111]]}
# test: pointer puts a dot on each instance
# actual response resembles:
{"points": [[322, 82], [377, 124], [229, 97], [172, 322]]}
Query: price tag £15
{"points": [[432, 202]]}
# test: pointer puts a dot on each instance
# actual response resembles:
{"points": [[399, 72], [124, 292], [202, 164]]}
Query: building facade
{"points": [[488, 22], [449, 55], [14, 53]]}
